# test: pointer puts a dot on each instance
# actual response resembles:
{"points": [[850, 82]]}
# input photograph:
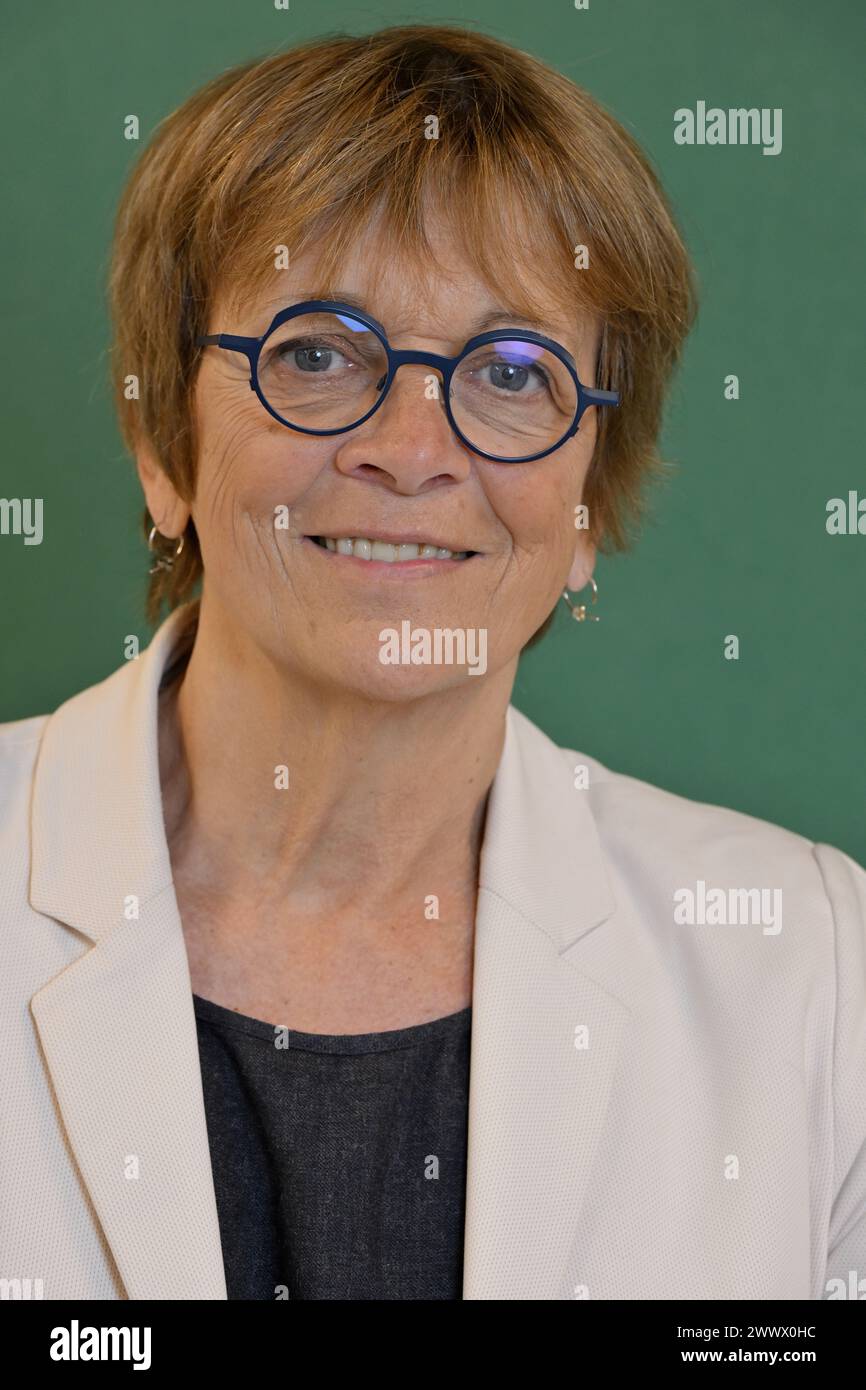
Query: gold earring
{"points": [[164, 562], [578, 610]]}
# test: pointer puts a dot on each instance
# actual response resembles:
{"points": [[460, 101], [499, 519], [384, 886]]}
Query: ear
{"points": [[583, 563], [166, 506]]}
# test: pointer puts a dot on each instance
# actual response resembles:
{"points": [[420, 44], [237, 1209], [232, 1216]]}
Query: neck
{"points": [[384, 801]]}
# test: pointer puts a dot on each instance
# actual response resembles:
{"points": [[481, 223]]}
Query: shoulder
{"points": [[623, 805], [668, 841], [699, 842]]}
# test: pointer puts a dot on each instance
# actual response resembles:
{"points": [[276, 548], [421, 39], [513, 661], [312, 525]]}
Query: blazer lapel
{"points": [[547, 1025], [117, 1027]]}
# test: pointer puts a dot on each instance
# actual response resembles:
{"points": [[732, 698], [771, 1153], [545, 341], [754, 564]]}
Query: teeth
{"points": [[364, 549], [383, 551]]}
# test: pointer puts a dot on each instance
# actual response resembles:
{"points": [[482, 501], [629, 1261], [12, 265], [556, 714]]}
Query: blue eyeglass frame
{"points": [[252, 347]]}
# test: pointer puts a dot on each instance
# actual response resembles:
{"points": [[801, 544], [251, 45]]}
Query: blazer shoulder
{"points": [[619, 799], [643, 820], [656, 841], [642, 812]]}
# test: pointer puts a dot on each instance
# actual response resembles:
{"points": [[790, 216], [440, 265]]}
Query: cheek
{"points": [[251, 468], [537, 507]]}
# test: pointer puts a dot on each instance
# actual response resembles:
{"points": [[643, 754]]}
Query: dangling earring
{"points": [[163, 562], [578, 610]]}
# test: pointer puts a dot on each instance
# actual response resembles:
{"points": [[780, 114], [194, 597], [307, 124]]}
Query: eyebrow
{"points": [[491, 319]]}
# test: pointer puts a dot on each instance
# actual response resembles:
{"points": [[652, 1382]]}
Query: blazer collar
{"points": [[98, 833], [541, 850], [119, 1021]]}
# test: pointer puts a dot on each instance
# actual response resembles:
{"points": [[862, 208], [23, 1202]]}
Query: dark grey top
{"points": [[339, 1162]]}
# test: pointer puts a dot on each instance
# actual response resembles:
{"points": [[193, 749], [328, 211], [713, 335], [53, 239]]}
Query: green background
{"points": [[736, 542]]}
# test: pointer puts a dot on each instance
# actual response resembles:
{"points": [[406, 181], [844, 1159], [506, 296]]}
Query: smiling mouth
{"points": [[390, 553]]}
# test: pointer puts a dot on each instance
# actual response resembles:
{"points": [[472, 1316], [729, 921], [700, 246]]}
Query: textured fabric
{"points": [[339, 1162], [656, 1110]]}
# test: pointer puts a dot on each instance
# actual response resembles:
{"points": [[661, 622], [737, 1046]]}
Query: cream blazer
{"points": [[667, 1098]]}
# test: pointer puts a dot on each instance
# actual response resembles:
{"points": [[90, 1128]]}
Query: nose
{"points": [[408, 444]]}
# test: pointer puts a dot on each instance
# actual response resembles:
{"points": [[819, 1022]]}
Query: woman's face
{"points": [[402, 474]]}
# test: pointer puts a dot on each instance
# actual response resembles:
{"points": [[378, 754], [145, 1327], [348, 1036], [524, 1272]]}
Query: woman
{"points": [[265, 884]]}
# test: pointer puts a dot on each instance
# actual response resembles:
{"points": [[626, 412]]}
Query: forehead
{"points": [[428, 317], [444, 299]]}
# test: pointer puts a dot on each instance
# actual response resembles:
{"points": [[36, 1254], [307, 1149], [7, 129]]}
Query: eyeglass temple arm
{"points": [[228, 340], [594, 397]]}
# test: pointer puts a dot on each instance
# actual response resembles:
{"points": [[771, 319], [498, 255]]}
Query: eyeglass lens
{"points": [[325, 371]]}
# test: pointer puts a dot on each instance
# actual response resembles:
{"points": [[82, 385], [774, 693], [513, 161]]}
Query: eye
{"points": [[512, 373], [313, 355], [516, 376]]}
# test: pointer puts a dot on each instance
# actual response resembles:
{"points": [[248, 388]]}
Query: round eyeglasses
{"points": [[323, 367]]}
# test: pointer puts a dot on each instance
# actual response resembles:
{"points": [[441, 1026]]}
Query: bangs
{"points": [[504, 226]]}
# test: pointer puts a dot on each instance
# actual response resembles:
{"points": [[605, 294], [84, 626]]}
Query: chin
{"points": [[390, 659], [369, 679], [342, 663]]}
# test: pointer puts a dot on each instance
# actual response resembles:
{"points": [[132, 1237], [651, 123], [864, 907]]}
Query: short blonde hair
{"points": [[300, 148]]}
